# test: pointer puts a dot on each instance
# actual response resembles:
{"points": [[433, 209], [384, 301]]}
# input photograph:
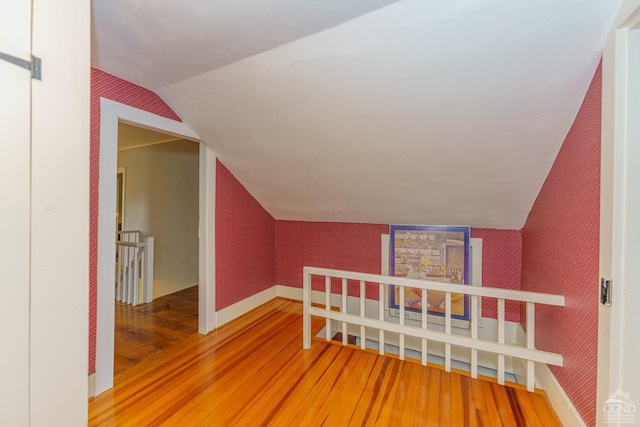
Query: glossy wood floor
{"points": [[254, 372], [145, 330]]}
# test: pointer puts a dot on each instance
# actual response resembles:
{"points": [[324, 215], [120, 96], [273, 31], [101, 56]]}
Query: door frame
{"points": [[112, 113], [620, 199]]}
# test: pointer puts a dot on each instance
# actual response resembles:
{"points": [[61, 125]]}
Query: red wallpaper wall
{"points": [[245, 242], [501, 267], [343, 246], [108, 86], [356, 247], [561, 255]]}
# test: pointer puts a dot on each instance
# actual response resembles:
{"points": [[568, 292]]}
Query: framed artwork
{"points": [[437, 253]]}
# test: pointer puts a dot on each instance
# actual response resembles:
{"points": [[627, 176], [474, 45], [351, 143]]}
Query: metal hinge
{"points": [[34, 66], [605, 291]]}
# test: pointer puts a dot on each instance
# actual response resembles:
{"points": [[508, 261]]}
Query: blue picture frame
{"points": [[430, 252]]}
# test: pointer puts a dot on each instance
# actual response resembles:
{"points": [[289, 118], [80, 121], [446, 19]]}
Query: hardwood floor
{"points": [[254, 372], [145, 330]]}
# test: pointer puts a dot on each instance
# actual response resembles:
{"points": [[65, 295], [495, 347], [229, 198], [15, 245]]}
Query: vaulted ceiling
{"points": [[413, 111]]}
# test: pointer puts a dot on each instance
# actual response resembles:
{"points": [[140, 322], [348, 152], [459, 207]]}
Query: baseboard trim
{"points": [[236, 310], [92, 385], [545, 380]]}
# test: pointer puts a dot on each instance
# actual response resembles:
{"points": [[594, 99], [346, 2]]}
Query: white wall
{"points": [[161, 199]]}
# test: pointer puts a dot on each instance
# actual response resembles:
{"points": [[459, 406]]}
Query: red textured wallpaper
{"points": [[343, 246], [245, 242], [104, 85], [561, 255], [501, 267], [356, 247]]}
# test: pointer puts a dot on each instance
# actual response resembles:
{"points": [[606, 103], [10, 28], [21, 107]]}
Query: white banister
{"points": [[529, 353], [135, 264], [509, 294]]}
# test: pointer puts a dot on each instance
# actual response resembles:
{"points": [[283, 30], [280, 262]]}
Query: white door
{"points": [[44, 199], [15, 140], [619, 336]]}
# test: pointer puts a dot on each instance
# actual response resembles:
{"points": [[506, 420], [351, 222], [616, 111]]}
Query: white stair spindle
{"points": [[474, 335], [143, 274], [306, 306], [401, 305], [136, 274], [447, 330], [150, 240], [327, 300], [381, 317], [501, 340], [363, 299], [424, 326], [344, 310], [119, 275], [531, 321]]}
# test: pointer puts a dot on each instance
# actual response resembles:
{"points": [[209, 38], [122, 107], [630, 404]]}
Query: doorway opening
{"points": [[111, 115], [157, 211]]}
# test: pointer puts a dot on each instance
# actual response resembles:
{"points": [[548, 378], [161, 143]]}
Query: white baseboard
{"points": [[92, 385], [545, 380], [236, 310]]}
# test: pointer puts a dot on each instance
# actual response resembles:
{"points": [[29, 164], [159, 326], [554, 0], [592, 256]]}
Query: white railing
{"points": [[134, 267], [529, 353]]}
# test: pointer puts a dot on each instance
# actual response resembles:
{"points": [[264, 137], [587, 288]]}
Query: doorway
{"points": [[159, 209], [111, 114]]}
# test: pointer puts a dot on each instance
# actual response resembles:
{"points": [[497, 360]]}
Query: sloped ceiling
{"points": [[417, 112]]}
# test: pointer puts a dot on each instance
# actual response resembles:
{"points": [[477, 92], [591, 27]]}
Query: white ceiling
{"points": [[419, 112], [158, 42]]}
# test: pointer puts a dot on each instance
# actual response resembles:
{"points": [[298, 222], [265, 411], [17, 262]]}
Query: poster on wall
{"points": [[437, 253]]}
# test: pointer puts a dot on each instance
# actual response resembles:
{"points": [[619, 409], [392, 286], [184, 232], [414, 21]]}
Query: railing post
{"points": [[474, 334], [381, 317], [401, 321], [327, 300], [424, 319], [363, 300], [531, 322], [136, 276], [344, 310], [306, 304], [147, 292], [447, 330], [501, 340]]}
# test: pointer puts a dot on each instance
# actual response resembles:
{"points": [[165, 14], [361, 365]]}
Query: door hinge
{"points": [[35, 66], [605, 291]]}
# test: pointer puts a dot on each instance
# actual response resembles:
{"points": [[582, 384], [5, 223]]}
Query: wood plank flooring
{"points": [[144, 331], [254, 372]]}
